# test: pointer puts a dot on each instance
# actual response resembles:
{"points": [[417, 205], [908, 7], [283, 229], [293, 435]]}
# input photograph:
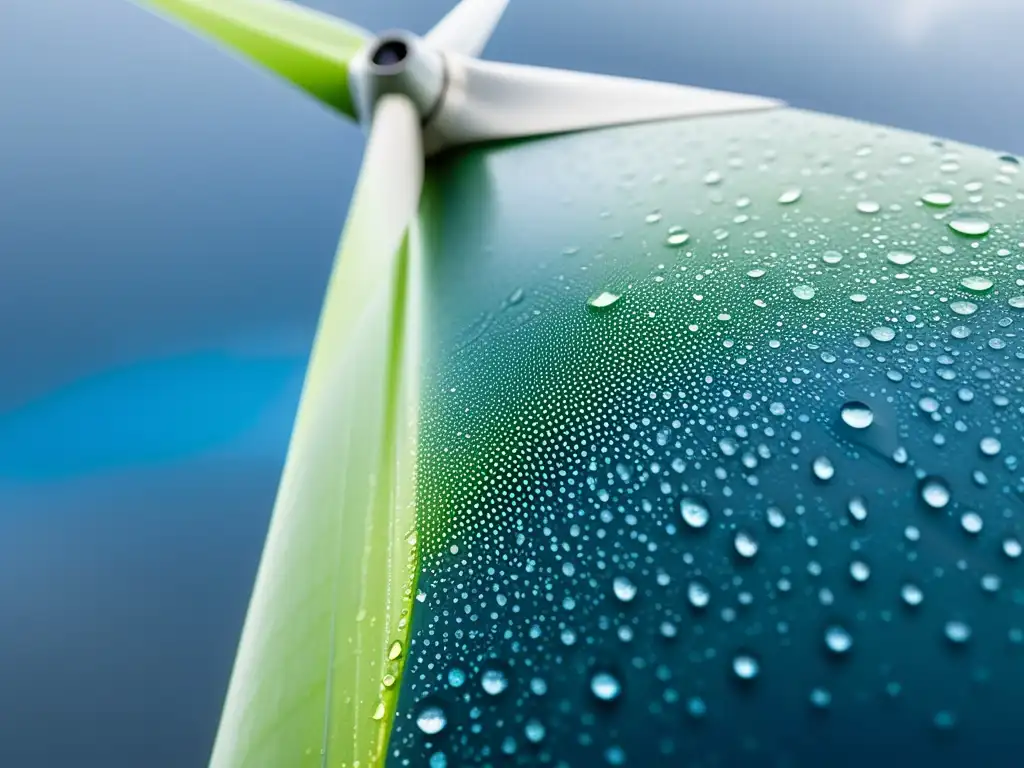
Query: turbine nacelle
{"points": [[397, 62]]}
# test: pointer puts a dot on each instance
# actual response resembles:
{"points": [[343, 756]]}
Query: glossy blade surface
{"points": [[468, 26], [491, 101], [324, 639], [308, 48]]}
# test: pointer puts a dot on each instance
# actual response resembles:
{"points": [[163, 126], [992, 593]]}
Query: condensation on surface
{"points": [[728, 471]]}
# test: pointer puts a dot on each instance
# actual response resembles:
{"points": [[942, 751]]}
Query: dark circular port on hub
{"points": [[389, 53]]}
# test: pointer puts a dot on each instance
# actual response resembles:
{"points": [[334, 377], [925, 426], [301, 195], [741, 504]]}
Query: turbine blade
{"points": [[488, 101], [467, 27], [328, 616], [308, 48]]}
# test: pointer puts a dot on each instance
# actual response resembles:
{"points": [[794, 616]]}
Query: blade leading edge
{"points": [[328, 619], [308, 48], [467, 27]]}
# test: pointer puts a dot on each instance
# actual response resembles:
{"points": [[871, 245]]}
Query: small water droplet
{"points": [[534, 731], [756, 273], [868, 206], [860, 571], [1012, 548], [821, 698], [858, 509], [605, 686], [775, 517], [456, 677], [677, 236], [970, 226], [395, 651], [857, 414], [971, 522], [694, 513], [832, 257]]}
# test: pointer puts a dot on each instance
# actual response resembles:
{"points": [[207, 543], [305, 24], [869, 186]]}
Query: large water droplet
{"points": [[937, 199], [911, 594], [838, 639], [970, 226], [990, 446], [790, 196], [958, 631], [901, 258], [1012, 548], [822, 468], [971, 522], [868, 206], [694, 513], [745, 666], [698, 594], [964, 307], [624, 589], [976, 283], [858, 509], [745, 544], [935, 492], [494, 681], [677, 236], [605, 686], [857, 414], [431, 720], [883, 333], [804, 292], [859, 571], [603, 300]]}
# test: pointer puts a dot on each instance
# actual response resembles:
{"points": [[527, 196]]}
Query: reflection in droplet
{"points": [[431, 720]]}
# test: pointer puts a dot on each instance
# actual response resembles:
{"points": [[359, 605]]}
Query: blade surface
{"points": [[328, 616], [308, 48], [489, 100], [467, 27]]}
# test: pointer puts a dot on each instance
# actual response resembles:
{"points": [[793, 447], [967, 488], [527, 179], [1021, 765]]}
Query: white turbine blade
{"points": [[489, 101], [467, 27]]}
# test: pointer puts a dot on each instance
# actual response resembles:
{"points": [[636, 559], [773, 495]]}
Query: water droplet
{"points": [[605, 686], [937, 199], [911, 594], [603, 300], [755, 273], [883, 333], [653, 217], [958, 631], [1017, 302], [821, 698], [534, 731], [494, 681], [857, 414], [976, 283], [838, 639], [823, 469], [804, 292], [677, 236], [745, 666], [964, 307], [832, 257], [456, 677], [775, 517], [971, 522], [624, 589], [431, 720], [901, 258], [790, 196], [395, 651], [935, 492], [944, 720], [868, 206], [745, 544], [1012, 548], [696, 707], [694, 513], [858, 509], [990, 582], [970, 226], [698, 594], [860, 571]]}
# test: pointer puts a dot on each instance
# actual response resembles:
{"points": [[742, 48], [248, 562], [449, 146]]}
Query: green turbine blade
{"points": [[328, 620], [308, 48]]}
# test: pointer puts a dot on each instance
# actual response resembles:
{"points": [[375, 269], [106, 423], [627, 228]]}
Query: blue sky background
{"points": [[167, 222]]}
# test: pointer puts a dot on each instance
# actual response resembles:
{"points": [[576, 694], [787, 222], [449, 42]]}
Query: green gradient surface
{"points": [[307, 48], [589, 474]]}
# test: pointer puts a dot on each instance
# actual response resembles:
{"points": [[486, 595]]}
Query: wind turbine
{"points": [[348, 473], [771, 354]]}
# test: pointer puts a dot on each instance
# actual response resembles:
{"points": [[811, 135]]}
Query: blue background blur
{"points": [[167, 222]]}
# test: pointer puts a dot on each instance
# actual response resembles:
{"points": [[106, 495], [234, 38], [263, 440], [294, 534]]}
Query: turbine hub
{"points": [[397, 63]]}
